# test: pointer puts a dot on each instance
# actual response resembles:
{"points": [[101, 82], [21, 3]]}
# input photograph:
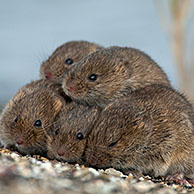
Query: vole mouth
{"points": [[68, 89], [75, 94], [70, 93], [23, 148]]}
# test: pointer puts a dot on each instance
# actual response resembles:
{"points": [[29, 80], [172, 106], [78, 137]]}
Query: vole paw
{"points": [[179, 179]]}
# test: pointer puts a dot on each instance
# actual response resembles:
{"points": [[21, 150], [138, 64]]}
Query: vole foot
{"points": [[179, 179]]}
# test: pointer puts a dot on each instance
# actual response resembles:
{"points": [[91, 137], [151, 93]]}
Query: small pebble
{"points": [[80, 173], [114, 172], [143, 187], [141, 178], [93, 171]]}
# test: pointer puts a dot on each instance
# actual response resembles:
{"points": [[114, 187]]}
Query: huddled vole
{"points": [[111, 73], [67, 137], [151, 131], [31, 111], [64, 57]]}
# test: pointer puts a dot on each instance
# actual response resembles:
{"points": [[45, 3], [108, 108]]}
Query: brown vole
{"points": [[31, 111], [111, 73], [150, 131], [67, 136], [64, 57]]}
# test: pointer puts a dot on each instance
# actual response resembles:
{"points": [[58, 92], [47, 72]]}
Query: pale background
{"points": [[31, 30]]}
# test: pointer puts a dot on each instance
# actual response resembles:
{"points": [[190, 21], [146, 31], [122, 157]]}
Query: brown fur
{"points": [[56, 65], [70, 122], [150, 131], [39, 100], [120, 70]]}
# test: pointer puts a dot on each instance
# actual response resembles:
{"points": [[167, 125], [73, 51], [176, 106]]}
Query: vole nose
{"points": [[48, 75], [61, 153], [19, 141]]}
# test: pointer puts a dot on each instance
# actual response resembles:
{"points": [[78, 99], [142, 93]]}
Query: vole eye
{"points": [[69, 61], [80, 136], [38, 123], [93, 77], [112, 144], [16, 120], [57, 132]]}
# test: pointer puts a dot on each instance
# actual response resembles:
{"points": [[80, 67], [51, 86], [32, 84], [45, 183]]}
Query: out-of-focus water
{"points": [[31, 30]]}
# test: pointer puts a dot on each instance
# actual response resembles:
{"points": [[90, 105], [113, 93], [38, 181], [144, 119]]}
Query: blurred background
{"points": [[31, 30]]}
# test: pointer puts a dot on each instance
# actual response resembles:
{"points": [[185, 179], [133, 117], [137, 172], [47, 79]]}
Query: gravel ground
{"points": [[30, 175]]}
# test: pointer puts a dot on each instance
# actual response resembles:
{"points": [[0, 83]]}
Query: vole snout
{"points": [[19, 141], [48, 75], [69, 87], [60, 152]]}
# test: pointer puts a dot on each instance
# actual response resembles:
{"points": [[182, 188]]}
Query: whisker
{"points": [[46, 127], [40, 145], [100, 146]]}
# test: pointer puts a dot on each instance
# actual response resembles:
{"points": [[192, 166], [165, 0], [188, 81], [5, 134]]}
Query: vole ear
{"points": [[127, 66], [25, 90], [19, 95]]}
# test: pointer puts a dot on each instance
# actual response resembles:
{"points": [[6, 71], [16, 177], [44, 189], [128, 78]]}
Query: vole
{"points": [[64, 57], [111, 73], [31, 111], [150, 131], [67, 136]]}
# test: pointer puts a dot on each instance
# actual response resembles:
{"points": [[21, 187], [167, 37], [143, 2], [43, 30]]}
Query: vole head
{"points": [[25, 118], [64, 57], [111, 73], [67, 137]]}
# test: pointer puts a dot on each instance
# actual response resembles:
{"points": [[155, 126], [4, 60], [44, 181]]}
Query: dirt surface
{"points": [[26, 174]]}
